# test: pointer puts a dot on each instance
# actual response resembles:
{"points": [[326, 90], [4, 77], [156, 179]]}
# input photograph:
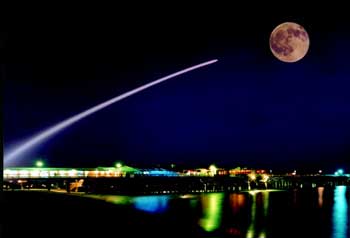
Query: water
{"points": [[254, 214], [320, 212]]}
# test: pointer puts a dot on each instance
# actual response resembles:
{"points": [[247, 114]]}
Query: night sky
{"points": [[248, 109]]}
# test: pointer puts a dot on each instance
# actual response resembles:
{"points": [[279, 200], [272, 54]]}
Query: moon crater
{"points": [[289, 42]]}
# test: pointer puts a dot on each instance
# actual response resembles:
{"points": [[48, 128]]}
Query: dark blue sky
{"points": [[249, 109]]}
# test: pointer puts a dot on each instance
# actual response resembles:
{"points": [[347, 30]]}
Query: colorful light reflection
{"points": [[320, 191], [152, 204], [253, 227], [212, 211], [340, 213]]}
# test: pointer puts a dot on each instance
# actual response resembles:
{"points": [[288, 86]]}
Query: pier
{"points": [[135, 184]]}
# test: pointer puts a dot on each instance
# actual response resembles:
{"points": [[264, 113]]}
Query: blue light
{"points": [[152, 204], [340, 213], [340, 171]]}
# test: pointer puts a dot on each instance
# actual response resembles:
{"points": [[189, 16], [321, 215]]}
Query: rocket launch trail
{"points": [[42, 136]]}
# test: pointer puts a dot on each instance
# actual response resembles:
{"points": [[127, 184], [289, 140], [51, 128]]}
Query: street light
{"points": [[265, 178], [252, 177], [118, 165], [339, 172], [212, 169], [39, 163]]}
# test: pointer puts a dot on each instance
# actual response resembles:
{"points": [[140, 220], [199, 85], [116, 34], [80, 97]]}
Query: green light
{"points": [[251, 228], [39, 163], [266, 202], [118, 165], [340, 171], [212, 211]]}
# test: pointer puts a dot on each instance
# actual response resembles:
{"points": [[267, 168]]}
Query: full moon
{"points": [[289, 42]]}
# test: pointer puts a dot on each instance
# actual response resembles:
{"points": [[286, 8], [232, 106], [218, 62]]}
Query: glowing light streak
{"points": [[64, 124]]}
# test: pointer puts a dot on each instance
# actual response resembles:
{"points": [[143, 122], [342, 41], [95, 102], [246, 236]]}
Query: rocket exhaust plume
{"points": [[35, 140]]}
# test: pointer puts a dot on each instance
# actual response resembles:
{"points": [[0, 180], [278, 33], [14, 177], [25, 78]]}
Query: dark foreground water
{"points": [[301, 213]]}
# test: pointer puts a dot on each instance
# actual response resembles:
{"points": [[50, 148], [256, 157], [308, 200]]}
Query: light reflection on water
{"points": [[212, 211], [251, 228], [253, 214], [152, 204], [340, 213], [237, 202], [320, 191], [254, 228]]}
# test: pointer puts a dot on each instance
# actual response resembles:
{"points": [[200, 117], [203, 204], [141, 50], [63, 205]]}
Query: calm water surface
{"points": [[321, 212]]}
